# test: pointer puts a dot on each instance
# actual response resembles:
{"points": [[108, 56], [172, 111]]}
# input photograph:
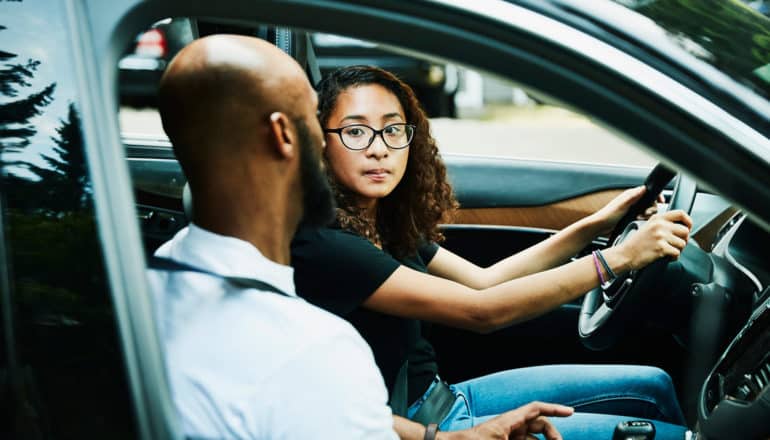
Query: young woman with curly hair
{"points": [[380, 267]]}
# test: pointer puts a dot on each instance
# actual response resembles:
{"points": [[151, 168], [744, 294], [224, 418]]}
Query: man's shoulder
{"points": [[279, 362], [292, 314], [269, 329], [314, 335], [314, 326], [340, 386], [164, 250]]}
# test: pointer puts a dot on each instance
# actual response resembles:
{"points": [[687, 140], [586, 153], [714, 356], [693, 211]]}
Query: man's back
{"points": [[245, 363]]}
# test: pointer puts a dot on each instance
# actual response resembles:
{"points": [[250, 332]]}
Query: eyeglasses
{"points": [[360, 136]]}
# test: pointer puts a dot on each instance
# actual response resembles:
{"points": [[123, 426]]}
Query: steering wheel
{"points": [[607, 311]]}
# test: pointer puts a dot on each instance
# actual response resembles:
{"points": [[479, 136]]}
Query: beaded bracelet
{"points": [[598, 268], [606, 266]]}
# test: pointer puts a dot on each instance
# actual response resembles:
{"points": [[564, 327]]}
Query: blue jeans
{"points": [[602, 395]]}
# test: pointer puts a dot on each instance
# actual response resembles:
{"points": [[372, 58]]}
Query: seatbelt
{"points": [[400, 394], [283, 40], [437, 404], [312, 62], [305, 56], [169, 265]]}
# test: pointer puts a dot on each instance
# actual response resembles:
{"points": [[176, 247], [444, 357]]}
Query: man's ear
{"points": [[282, 137]]}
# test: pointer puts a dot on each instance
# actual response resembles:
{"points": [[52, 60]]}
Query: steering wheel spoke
{"points": [[613, 296]]}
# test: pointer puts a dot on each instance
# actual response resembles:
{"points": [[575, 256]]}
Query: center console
{"points": [[734, 402]]}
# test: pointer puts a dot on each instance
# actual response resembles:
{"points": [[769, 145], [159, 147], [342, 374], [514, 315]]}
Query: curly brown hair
{"points": [[411, 213]]}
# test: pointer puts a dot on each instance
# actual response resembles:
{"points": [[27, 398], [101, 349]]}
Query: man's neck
{"points": [[264, 228]]}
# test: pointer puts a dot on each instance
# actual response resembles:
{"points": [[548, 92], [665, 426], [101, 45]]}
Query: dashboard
{"points": [[735, 399], [734, 402]]}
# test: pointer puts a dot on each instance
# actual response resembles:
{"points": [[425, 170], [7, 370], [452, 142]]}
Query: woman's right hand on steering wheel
{"points": [[663, 235]]}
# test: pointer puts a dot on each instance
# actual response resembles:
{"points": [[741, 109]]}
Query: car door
{"points": [[70, 367], [61, 370]]}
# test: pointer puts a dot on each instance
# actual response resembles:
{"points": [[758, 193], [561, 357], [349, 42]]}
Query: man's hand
{"points": [[518, 424]]}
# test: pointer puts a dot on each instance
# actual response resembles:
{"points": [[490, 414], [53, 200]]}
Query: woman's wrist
{"points": [[431, 432], [618, 261], [456, 435]]}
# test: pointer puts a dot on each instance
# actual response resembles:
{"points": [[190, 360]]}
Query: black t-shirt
{"points": [[338, 270]]}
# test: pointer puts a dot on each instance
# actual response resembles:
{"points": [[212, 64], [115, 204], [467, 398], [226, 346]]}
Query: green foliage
{"points": [[50, 228], [56, 263], [735, 38], [15, 129], [66, 176]]}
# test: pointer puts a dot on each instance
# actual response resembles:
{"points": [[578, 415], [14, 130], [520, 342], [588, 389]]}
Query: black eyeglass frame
{"points": [[375, 132]]}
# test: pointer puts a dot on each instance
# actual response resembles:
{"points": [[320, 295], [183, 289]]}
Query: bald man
{"points": [[251, 360], [246, 357]]}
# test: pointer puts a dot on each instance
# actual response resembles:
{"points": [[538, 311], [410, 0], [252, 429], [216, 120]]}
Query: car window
{"points": [[732, 36], [62, 354], [498, 118], [471, 113]]}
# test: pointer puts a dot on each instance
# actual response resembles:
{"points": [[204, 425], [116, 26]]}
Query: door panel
{"points": [[555, 216], [507, 205], [486, 182]]}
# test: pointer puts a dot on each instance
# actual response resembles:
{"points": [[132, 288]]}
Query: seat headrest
{"points": [[187, 201]]}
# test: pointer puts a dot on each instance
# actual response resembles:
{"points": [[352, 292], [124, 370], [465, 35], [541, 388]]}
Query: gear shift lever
{"points": [[634, 430]]}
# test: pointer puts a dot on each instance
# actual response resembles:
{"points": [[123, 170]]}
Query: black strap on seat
{"points": [[400, 395], [314, 71], [305, 56], [284, 40], [436, 406], [169, 265]]}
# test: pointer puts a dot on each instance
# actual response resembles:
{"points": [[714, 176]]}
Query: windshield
{"points": [[730, 35]]}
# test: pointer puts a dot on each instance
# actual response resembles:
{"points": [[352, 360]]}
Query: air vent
{"points": [[753, 383]]}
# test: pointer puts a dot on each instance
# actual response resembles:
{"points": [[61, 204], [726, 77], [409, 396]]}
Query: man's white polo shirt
{"points": [[246, 363]]}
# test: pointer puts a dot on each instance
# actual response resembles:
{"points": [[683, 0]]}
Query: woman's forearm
{"points": [[549, 253], [412, 294], [525, 298]]}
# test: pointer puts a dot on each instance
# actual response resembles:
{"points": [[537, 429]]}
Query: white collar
{"points": [[228, 256]]}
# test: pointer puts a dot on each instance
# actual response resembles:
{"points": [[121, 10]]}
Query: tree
{"points": [[736, 39], [15, 129], [66, 176]]}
